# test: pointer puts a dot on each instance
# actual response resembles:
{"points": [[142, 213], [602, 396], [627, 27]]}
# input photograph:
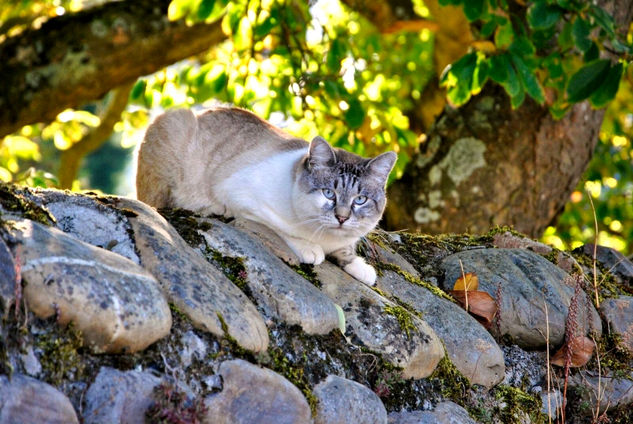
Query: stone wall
{"points": [[112, 312]]}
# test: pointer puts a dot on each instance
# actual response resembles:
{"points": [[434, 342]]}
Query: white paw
{"points": [[311, 254], [361, 271]]}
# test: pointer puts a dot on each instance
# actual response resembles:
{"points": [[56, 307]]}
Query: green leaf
{"points": [[592, 53], [335, 55], [580, 34], [518, 99], [565, 38], [242, 37], [553, 65], [587, 80], [522, 47], [204, 9], [607, 91], [541, 16], [504, 35], [488, 28], [529, 80], [458, 79], [473, 9], [179, 9], [138, 90], [498, 68], [354, 115], [604, 20]]}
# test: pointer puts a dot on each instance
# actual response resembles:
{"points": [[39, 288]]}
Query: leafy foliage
{"points": [[551, 56]]}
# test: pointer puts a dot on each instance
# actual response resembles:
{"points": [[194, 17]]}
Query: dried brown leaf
{"points": [[481, 305], [581, 351]]}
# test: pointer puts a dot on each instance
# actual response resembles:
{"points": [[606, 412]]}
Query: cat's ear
{"points": [[321, 153], [381, 166]]}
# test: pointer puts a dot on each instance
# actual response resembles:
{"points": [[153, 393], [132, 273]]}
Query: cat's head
{"points": [[342, 194]]}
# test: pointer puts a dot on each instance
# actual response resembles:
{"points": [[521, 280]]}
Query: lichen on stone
{"points": [[464, 157]]}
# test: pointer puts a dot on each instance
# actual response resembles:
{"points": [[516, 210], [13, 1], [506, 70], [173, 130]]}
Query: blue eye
{"points": [[360, 200], [329, 194]]}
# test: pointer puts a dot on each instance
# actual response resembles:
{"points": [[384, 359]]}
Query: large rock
{"points": [[254, 395], [612, 260], [444, 413], [605, 390], [415, 348], [343, 401], [8, 278], [469, 346], [89, 220], [196, 287], [618, 314], [280, 292], [119, 397], [25, 400], [528, 284], [116, 304]]}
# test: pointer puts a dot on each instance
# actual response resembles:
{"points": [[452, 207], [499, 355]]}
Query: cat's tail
{"points": [[161, 158]]}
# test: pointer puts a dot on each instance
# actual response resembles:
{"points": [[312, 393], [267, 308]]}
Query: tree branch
{"points": [[71, 158], [79, 57]]}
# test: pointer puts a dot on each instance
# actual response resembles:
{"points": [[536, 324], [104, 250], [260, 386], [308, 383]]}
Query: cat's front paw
{"points": [[311, 254], [361, 271]]}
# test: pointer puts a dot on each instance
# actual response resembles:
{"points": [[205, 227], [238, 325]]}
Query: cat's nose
{"points": [[341, 219]]}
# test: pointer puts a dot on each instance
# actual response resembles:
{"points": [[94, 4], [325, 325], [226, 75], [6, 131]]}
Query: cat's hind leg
{"points": [[355, 265]]}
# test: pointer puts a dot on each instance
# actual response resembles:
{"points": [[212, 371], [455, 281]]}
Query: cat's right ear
{"points": [[320, 153]]}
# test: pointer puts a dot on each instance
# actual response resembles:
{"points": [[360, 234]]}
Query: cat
{"points": [[227, 161]]}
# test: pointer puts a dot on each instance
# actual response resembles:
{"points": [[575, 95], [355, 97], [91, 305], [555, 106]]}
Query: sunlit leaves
{"points": [[196, 10]]}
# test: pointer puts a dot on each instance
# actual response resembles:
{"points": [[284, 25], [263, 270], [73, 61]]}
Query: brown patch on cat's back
{"points": [[256, 129]]}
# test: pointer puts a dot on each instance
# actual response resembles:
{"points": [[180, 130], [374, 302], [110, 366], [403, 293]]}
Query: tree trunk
{"points": [[79, 57], [486, 164]]}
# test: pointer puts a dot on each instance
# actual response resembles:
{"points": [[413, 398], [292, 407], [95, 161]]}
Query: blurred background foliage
{"points": [[324, 69]]}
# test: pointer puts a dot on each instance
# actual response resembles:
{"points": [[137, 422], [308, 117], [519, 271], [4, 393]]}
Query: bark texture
{"points": [[486, 164], [79, 57]]}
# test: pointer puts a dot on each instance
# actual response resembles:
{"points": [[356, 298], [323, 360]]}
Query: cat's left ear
{"points": [[381, 166]]}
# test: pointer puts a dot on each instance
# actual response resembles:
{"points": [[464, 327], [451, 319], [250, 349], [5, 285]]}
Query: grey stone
{"points": [[607, 391], [618, 315], [254, 395], [551, 402], [114, 302], [385, 255], [26, 400], [192, 347], [269, 238], [368, 325], [528, 283], [197, 288], [89, 220], [279, 291], [616, 263], [524, 368], [119, 397], [444, 413], [30, 362], [343, 401], [563, 260], [8, 278], [469, 346]]}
